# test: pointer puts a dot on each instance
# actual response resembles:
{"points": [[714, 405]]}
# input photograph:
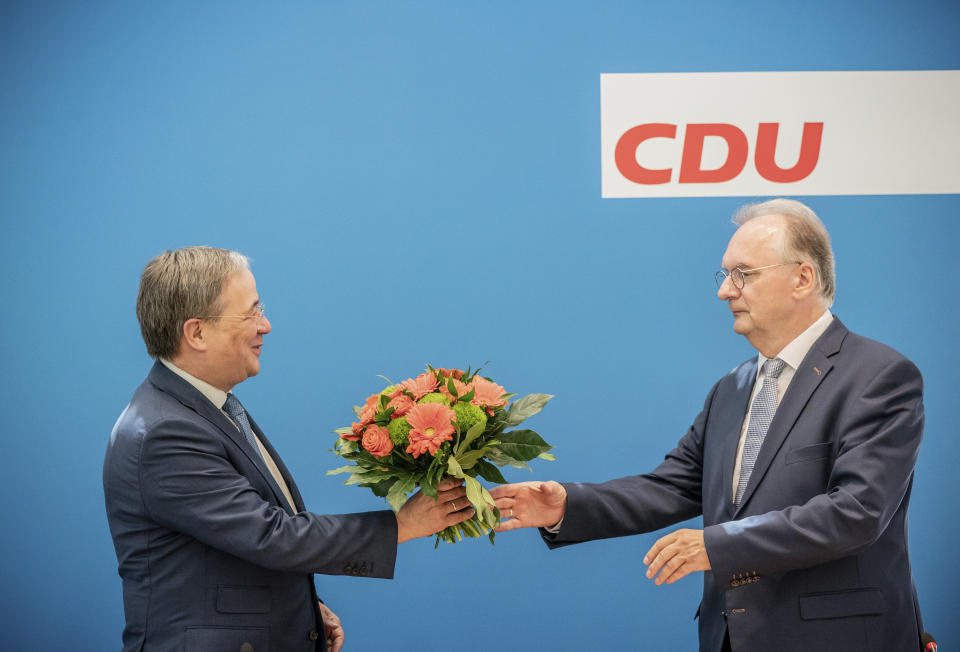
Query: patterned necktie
{"points": [[239, 416], [761, 414]]}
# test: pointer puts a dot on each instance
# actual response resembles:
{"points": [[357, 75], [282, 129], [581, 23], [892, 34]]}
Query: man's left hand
{"points": [[332, 629], [678, 554]]}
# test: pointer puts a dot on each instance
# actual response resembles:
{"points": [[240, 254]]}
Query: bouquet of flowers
{"points": [[444, 422]]}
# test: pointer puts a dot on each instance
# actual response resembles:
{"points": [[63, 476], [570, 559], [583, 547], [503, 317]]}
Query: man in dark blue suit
{"points": [[214, 545], [800, 463]]}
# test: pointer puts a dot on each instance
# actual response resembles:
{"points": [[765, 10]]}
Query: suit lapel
{"points": [[172, 384], [816, 365]]}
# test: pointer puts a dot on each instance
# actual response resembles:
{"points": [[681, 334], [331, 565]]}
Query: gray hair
{"points": [[806, 239], [180, 285]]}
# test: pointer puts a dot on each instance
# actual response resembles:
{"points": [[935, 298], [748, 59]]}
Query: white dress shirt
{"points": [[792, 354], [218, 397]]}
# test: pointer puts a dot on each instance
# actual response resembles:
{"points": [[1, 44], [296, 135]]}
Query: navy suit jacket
{"points": [[211, 556], [815, 557]]}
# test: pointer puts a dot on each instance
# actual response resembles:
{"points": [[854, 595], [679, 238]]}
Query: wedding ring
{"points": [[454, 504]]}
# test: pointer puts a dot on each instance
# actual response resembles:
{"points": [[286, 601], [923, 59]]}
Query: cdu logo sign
{"points": [[738, 149], [786, 133]]}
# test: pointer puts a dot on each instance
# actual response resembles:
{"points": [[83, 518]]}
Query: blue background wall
{"points": [[418, 182]]}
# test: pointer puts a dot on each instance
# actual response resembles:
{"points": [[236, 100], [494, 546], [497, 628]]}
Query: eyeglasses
{"points": [[739, 276], [256, 314]]}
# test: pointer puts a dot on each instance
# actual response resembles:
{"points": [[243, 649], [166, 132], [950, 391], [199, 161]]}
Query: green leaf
{"points": [[522, 445], [475, 431], [346, 430], [434, 472], [469, 459], [429, 490], [550, 457], [383, 417], [347, 446], [356, 478], [382, 488], [453, 468], [342, 469], [487, 515], [397, 495], [475, 494], [451, 387], [502, 459], [524, 408], [466, 398], [489, 472], [369, 476], [357, 410]]}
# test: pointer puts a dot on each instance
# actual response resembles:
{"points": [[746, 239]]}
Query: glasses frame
{"points": [[258, 313], [736, 272]]}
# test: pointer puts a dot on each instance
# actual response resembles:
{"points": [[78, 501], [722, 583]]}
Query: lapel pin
{"points": [[818, 371]]}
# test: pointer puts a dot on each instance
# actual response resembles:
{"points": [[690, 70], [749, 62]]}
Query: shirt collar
{"points": [[794, 352], [216, 396]]}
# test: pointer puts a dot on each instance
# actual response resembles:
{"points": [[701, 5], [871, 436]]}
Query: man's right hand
{"points": [[530, 504], [422, 516]]}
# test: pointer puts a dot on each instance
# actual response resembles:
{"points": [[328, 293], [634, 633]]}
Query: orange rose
{"points": [[377, 441]]}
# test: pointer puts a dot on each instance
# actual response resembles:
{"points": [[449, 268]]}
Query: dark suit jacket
{"points": [[210, 554], [816, 556]]}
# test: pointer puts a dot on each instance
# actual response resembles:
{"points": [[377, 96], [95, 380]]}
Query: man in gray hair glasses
{"points": [[800, 463]]}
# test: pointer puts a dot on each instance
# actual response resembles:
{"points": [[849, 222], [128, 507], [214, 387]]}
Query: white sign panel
{"points": [[780, 133]]}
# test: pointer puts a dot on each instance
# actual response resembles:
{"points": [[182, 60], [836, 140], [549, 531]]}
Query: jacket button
{"points": [[313, 635], [246, 647], [348, 569], [363, 570]]}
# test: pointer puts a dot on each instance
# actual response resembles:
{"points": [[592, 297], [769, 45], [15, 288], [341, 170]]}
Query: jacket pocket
{"points": [[243, 599], [227, 639], [807, 453], [841, 604]]}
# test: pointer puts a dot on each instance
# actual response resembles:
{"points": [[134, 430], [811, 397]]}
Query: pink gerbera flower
{"points": [[430, 426], [487, 393], [421, 385]]}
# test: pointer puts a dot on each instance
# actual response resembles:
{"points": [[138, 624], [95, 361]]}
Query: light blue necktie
{"points": [[761, 414], [239, 416]]}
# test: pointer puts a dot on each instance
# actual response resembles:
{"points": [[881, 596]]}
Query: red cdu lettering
{"points": [[625, 153], [737, 150], [764, 157]]}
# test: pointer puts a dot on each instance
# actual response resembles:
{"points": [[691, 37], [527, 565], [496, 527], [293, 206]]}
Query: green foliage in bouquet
{"points": [[444, 422]]}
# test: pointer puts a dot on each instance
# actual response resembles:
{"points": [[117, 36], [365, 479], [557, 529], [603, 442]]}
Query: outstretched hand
{"points": [[529, 504], [422, 516]]}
